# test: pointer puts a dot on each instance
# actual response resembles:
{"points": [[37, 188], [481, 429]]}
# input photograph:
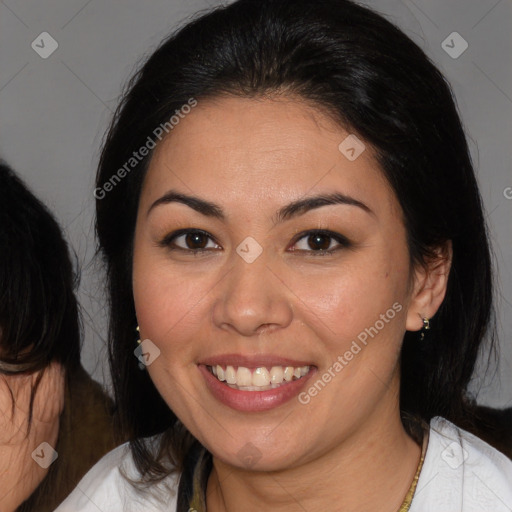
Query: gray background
{"points": [[54, 113]]}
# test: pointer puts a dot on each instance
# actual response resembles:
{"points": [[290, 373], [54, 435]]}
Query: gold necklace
{"points": [[406, 505], [198, 504]]}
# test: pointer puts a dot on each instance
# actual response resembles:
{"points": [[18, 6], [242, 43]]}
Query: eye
{"points": [[189, 240], [316, 242], [320, 242]]}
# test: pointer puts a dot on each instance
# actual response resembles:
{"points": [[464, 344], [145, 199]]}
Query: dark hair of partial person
{"points": [[39, 317], [375, 82]]}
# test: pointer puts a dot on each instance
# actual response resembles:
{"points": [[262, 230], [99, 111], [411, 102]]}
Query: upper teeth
{"points": [[261, 377]]}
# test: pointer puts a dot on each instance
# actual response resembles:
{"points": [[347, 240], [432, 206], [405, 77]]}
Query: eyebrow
{"points": [[294, 209]]}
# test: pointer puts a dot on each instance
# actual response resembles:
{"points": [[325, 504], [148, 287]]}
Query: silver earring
{"points": [[141, 365], [426, 327]]}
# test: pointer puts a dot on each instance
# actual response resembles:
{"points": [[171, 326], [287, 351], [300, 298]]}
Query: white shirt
{"points": [[461, 473]]}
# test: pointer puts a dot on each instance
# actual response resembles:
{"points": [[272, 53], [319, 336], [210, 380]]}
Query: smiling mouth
{"points": [[257, 379]]}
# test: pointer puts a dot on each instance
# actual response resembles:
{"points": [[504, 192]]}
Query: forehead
{"points": [[259, 151]]}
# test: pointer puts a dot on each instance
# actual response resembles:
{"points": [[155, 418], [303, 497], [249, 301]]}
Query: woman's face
{"points": [[264, 302]]}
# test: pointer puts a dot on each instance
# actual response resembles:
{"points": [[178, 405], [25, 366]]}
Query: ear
{"points": [[429, 288]]}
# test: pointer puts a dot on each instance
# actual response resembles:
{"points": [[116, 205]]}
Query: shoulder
{"points": [[105, 488], [462, 472]]}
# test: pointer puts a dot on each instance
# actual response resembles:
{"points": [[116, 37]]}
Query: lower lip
{"points": [[253, 400]]}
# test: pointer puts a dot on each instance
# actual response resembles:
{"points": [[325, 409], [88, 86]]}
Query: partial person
{"points": [[298, 259], [55, 421]]}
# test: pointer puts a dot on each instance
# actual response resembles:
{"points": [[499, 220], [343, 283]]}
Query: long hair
{"points": [[39, 317], [39, 314], [376, 83]]}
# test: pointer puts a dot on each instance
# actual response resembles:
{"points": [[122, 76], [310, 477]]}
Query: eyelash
{"points": [[344, 243]]}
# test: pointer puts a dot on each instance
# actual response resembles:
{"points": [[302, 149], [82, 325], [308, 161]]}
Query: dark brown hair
{"points": [[375, 81]]}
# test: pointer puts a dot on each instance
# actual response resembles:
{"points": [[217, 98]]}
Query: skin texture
{"points": [[20, 475], [252, 157]]}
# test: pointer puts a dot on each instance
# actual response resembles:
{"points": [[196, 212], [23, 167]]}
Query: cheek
{"points": [[165, 306], [351, 298], [166, 302]]}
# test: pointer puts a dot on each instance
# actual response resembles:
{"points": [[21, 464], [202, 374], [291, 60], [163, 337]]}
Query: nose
{"points": [[252, 299]]}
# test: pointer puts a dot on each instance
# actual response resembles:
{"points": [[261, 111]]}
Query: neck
{"points": [[371, 469]]}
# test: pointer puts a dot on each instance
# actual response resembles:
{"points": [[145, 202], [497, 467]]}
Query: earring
{"points": [[138, 350], [426, 327]]}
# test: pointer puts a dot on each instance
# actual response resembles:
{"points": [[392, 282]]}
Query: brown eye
{"points": [[319, 243], [191, 240], [196, 240]]}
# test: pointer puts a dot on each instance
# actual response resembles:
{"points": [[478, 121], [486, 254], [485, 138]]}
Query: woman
{"points": [[55, 421], [291, 225]]}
